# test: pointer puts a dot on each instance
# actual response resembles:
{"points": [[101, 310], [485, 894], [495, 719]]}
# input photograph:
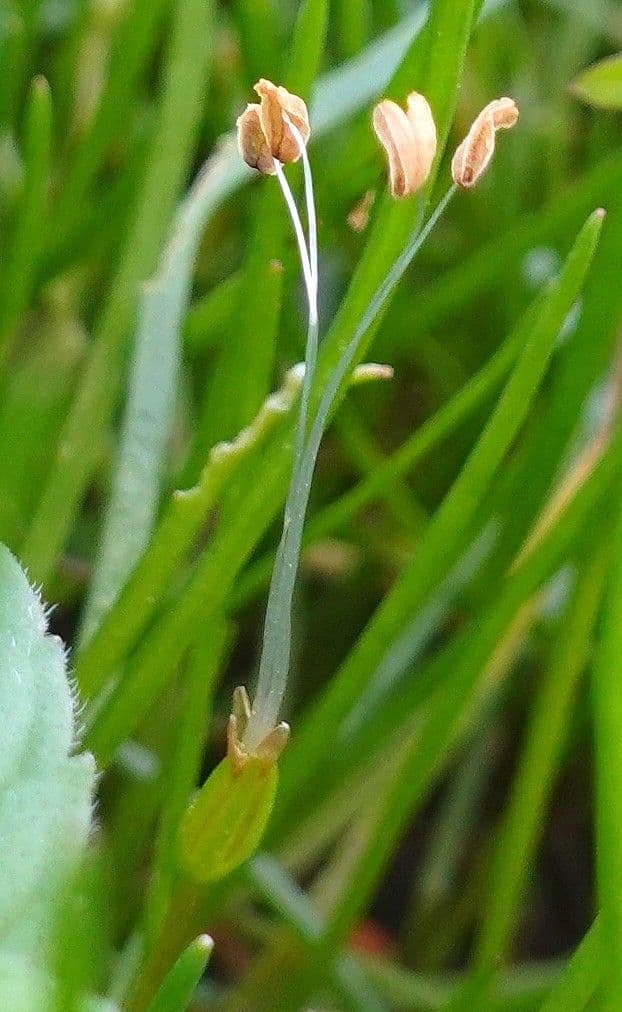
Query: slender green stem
{"points": [[275, 658]]}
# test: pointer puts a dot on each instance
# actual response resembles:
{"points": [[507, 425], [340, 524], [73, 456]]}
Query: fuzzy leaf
{"points": [[45, 793]]}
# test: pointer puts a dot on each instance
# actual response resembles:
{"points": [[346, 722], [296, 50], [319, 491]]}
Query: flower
{"points": [[265, 130], [474, 153], [409, 139]]}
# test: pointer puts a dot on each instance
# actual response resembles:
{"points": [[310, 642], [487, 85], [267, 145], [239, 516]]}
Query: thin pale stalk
{"points": [[275, 658]]}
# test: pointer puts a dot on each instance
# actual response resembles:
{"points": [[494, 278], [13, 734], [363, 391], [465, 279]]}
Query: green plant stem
{"points": [[607, 696], [277, 634]]}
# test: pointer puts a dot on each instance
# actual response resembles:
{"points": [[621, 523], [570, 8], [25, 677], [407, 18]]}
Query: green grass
{"points": [[447, 822]]}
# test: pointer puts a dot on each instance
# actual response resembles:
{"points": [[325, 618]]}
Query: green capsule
{"points": [[225, 822]]}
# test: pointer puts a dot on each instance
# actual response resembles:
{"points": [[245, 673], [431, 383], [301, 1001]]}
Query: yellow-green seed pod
{"points": [[226, 820]]}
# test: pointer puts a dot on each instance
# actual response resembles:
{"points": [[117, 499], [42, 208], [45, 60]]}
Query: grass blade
{"points": [[538, 762], [443, 538], [27, 241], [608, 748], [178, 116], [175, 993]]}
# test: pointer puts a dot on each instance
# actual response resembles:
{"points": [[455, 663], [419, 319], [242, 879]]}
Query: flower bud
{"points": [[473, 155], [409, 139]]}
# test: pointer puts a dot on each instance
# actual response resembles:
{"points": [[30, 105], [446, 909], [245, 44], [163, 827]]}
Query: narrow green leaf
{"points": [[27, 240], [601, 84], [537, 766], [447, 712], [177, 530], [176, 991], [336, 516], [607, 697], [258, 25], [32, 410], [149, 413], [307, 48], [443, 538]]}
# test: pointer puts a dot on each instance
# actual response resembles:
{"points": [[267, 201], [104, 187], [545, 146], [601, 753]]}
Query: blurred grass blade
{"points": [[601, 84], [576, 987], [12, 62], [180, 524], [141, 458], [149, 412], [178, 987], [607, 701], [26, 243], [343, 973], [539, 758], [182, 776], [172, 149], [448, 712], [334, 517], [257, 24], [443, 539], [307, 48], [32, 410], [133, 46]]}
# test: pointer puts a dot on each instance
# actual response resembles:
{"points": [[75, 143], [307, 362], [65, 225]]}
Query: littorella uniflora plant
{"points": [[224, 823]]}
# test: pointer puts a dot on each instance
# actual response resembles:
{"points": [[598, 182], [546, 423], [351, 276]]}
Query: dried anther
{"points": [[252, 142], [265, 130], [409, 139], [268, 750], [473, 155]]}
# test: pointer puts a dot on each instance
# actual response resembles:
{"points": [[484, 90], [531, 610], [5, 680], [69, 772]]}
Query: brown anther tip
{"points": [[278, 110], [409, 139], [473, 155], [252, 143]]}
